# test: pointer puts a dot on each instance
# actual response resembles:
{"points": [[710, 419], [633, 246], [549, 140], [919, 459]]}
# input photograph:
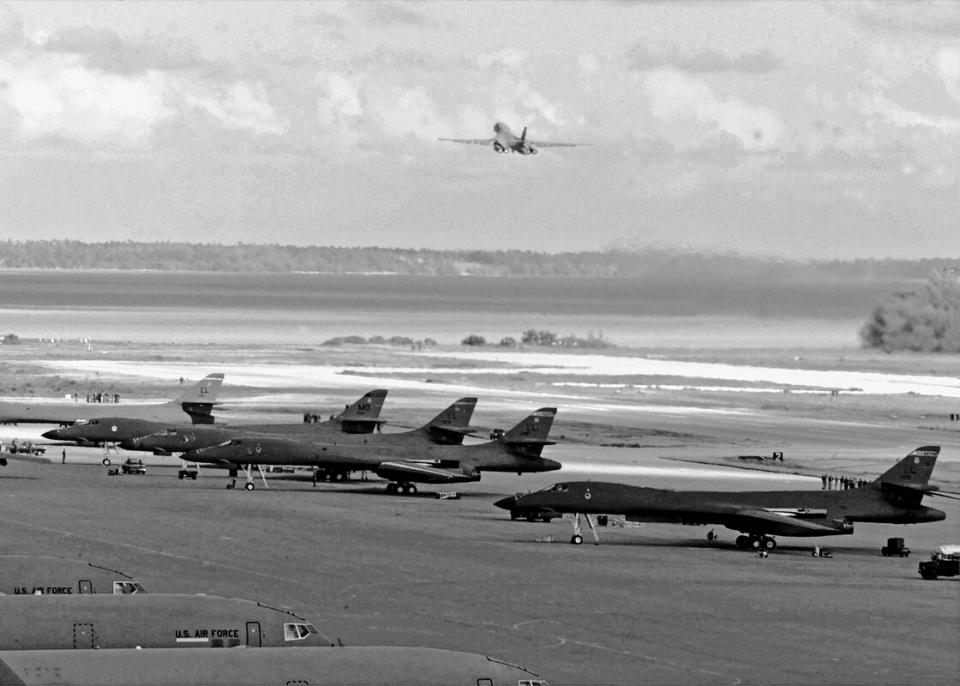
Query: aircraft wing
{"points": [[546, 144], [472, 141], [424, 472], [785, 522]]}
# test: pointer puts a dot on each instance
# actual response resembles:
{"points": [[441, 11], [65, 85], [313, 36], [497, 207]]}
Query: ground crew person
{"points": [[63, 456]]}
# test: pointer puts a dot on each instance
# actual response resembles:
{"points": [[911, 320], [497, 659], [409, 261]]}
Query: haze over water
{"points": [[310, 308]]}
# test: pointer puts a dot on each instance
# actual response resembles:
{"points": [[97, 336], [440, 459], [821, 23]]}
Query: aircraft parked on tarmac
{"points": [[370, 665], [895, 497], [150, 620], [45, 574], [517, 450], [360, 417], [506, 140], [193, 405]]}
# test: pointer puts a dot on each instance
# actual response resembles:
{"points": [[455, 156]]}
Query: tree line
{"points": [[244, 257]]}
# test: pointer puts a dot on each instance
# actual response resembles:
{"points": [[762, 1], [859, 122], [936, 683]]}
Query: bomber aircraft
{"points": [[193, 405], [370, 665], [447, 428], [517, 450], [506, 140], [360, 417], [151, 620], [45, 574], [895, 497]]}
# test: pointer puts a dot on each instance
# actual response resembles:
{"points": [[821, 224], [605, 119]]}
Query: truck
{"points": [[944, 561], [893, 547]]}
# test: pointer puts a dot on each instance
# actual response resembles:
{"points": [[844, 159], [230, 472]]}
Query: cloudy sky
{"points": [[804, 130]]}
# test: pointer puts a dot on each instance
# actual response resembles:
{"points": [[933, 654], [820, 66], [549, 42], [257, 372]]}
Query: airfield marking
{"points": [[589, 644], [162, 553]]}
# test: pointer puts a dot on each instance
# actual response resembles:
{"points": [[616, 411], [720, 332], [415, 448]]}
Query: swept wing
{"points": [[471, 141]]}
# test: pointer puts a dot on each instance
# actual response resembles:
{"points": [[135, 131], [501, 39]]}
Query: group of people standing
{"points": [[841, 483]]}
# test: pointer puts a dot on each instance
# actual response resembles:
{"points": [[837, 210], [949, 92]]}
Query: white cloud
{"points": [[239, 106], [948, 69], [407, 111], [56, 95], [672, 95], [901, 117], [511, 59]]}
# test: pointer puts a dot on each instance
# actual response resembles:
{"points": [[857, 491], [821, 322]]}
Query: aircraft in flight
{"points": [[895, 497], [150, 620], [506, 140], [360, 417], [370, 665], [193, 405], [517, 450], [46, 574]]}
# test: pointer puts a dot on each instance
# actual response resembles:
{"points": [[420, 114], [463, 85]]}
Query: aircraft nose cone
{"points": [[52, 434], [507, 503]]}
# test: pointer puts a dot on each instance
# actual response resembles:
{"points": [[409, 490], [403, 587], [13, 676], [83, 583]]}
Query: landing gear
{"points": [[248, 472], [754, 542], [577, 537], [404, 488]]}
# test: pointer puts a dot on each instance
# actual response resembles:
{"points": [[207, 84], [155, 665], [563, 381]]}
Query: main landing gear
{"points": [[577, 537], [401, 488], [754, 542]]}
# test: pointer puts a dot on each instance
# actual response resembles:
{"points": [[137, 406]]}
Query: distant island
{"points": [[644, 264]]}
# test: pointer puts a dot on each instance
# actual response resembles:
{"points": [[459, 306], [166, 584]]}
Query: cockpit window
{"points": [[298, 632], [556, 488], [127, 587]]}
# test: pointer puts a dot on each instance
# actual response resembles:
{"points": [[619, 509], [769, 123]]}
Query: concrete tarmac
{"points": [[651, 605]]}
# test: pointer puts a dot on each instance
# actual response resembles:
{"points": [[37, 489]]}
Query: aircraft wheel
{"points": [[392, 489], [533, 151], [576, 539], [409, 489], [106, 462], [249, 486], [756, 543], [768, 543], [743, 542]]}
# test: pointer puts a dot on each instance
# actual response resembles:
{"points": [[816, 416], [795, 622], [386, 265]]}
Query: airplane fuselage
{"points": [[832, 511], [467, 459]]}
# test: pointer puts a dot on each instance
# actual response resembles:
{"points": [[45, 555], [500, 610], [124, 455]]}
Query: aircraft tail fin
{"points": [[912, 472], [198, 400], [204, 391], [450, 426], [523, 135], [363, 416], [530, 435]]}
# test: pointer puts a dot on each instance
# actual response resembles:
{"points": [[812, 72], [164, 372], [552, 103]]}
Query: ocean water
{"points": [[307, 309]]}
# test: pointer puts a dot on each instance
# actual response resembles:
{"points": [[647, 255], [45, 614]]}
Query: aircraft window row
{"points": [[298, 632], [532, 682]]}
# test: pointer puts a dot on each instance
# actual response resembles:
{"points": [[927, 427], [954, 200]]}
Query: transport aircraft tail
{"points": [[363, 416], [530, 435]]}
